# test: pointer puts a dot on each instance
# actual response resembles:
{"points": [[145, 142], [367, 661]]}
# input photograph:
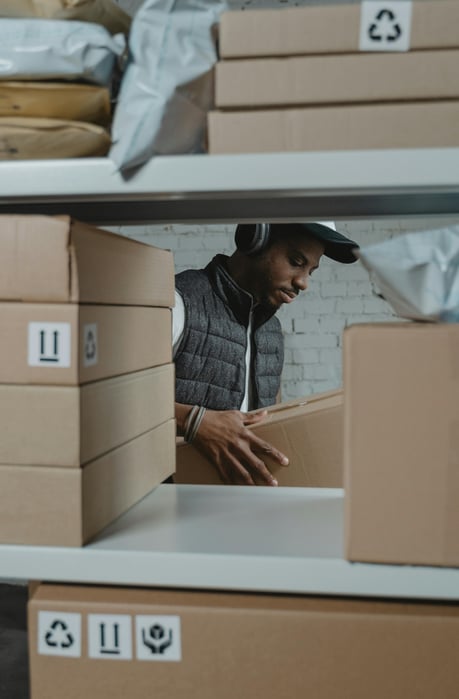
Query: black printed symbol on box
{"points": [[385, 27], [157, 638], [90, 357], [110, 646], [49, 346], [59, 635], [90, 347]]}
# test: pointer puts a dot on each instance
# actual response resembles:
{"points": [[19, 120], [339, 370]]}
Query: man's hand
{"points": [[237, 453]]}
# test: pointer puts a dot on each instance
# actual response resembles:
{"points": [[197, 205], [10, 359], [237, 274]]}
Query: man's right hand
{"points": [[237, 453]]}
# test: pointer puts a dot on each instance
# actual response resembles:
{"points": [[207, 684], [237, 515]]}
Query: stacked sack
{"points": [[59, 64], [86, 377], [337, 77]]}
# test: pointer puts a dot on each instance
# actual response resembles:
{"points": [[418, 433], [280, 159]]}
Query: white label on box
{"points": [[385, 26], [59, 633], [110, 636], [90, 352], [158, 638], [49, 344]]}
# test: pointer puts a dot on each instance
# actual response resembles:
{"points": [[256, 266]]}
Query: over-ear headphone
{"points": [[252, 238]]}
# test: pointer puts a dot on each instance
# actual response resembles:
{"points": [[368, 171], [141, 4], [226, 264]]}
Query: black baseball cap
{"points": [[336, 245]]}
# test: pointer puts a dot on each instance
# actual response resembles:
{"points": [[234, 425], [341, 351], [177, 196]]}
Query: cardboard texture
{"points": [[235, 645], [369, 77], [80, 263], [68, 426], [46, 506], [327, 29], [402, 125], [77, 102], [309, 431], [401, 443], [71, 344], [35, 138]]}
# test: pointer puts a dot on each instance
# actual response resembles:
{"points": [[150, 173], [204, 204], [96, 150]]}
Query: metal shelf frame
{"points": [[272, 540], [237, 188]]}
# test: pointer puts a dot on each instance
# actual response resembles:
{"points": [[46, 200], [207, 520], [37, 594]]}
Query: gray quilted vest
{"points": [[210, 359]]}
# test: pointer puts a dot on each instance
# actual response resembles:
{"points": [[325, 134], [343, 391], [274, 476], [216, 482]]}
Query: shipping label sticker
{"points": [[49, 344], [110, 636], [158, 638], [90, 347], [385, 26], [59, 633]]}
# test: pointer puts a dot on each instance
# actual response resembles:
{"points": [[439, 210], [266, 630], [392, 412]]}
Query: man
{"points": [[228, 344]]}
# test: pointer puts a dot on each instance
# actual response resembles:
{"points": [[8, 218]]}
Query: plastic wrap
{"points": [[418, 273], [167, 87], [40, 49]]}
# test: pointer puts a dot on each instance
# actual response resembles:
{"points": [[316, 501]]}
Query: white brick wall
{"points": [[338, 295]]}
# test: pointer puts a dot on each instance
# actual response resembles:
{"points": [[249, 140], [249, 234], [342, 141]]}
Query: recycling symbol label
{"points": [[59, 634], [385, 26], [90, 345]]}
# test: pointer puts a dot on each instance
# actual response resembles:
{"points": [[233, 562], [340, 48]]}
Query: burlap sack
{"points": [[26, 138], [103, 12], [74, 102]]}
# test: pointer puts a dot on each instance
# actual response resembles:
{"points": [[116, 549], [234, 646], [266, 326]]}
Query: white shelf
{"points": [[286, 540], [204, 188]]}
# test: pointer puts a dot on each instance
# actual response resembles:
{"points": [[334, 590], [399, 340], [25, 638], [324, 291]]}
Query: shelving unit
{"points": [[287, 540], [229, 188], [277, 540]]}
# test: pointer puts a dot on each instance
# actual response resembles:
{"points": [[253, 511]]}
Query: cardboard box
{"points": [[71, 425], [370, 77], [402, 125], [309, 431], [73, 344], [49, 506], [327, 29], [226, 645], [57, 260], [401, 443]]}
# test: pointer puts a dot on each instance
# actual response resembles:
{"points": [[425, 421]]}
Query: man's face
{"points": [[279, 273]]}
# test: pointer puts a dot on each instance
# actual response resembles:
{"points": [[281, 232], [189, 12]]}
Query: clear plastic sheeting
{"points": [[40, 49], [167, 87], [418, 273]]}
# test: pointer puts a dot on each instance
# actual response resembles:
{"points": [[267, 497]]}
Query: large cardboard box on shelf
{"points": [[56, 259], [73, 344], [332, 29], [347, 127], [68, 426], [370, 77], [51, 506], [309, 431], [110, 642], [401, 443]]}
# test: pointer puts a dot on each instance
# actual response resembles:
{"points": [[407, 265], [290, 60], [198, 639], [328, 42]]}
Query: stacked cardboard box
{"points": [[86, 379], [309, 431], [337, 77], [401, 443], [113, 642]]}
